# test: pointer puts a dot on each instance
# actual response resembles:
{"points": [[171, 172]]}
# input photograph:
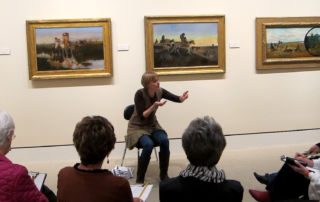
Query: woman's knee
{"points": [[148, 146], [164, 142], [146, 143]]}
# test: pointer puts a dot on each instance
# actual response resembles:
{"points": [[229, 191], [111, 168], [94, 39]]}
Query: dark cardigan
{"points": [[191, 189]]}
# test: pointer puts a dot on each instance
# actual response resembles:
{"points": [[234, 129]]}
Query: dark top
{"points": [[139, 125], [141, 104], [100, 185], [191, 189]]}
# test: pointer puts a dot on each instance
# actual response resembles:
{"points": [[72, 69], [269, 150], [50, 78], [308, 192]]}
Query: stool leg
{"points": [[156, 153], [124, 154]]}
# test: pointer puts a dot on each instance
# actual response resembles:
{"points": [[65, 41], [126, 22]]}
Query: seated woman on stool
{"points": [[143, 128]]}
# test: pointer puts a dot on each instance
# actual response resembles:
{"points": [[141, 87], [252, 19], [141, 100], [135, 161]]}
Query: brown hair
{"points": [[147, 77], [94, 139]]}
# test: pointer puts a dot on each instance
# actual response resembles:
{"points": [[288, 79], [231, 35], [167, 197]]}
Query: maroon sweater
{"points": [[16, 184], [79, 185]]}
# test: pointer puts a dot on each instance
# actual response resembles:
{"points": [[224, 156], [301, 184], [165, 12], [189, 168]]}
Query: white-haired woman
{"points": [[203, 142], [15, 183]]}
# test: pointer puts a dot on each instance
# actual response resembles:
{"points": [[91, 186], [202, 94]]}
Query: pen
{"points": [[306, 154], [34, 174], [145, 186]]}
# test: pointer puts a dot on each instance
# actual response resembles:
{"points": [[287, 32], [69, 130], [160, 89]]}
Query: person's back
{"points": [[15, 183], [203, 142], [87, 181], [75, 184], [192, 189]]}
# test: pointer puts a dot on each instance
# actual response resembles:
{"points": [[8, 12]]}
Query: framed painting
{"points": [[185, 44], [291, 42], [69, 48]]}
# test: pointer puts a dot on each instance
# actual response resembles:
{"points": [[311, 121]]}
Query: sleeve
{"points": [[316, 164], [25, 187], [140, 104], [170, 96], [163, 194], [314, 186]]}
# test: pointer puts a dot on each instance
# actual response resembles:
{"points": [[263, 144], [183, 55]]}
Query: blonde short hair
{"points": [[148, 77]]}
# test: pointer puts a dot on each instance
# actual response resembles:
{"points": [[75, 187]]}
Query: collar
{"points": [[203, 173], [76, 166]]}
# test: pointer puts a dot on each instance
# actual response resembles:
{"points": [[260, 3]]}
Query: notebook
{"points": [[38, 178], [141, 191]]}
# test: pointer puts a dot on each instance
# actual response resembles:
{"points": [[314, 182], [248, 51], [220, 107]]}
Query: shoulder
{"points": [[234, 184], [170, 184], [123, 182], [13, 172], [19, 170], [65, 171], [139, 91], [232, 189]]}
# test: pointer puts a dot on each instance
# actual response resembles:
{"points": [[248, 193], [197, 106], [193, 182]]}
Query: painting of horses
{"points": [[288, 42], [69, 49], [183, 45]]}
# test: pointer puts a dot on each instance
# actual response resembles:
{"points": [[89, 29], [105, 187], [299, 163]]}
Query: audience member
{"points": [[294, 182], [94, 140], [268, 177], [144, 131], [203, 142], [15, 183]]}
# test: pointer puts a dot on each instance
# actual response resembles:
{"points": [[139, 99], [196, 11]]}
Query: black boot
{"points": [[142, 168], [164, 164], [263, 179]]}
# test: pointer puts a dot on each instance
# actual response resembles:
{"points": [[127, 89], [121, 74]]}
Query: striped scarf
{"points": [[203, 173]]}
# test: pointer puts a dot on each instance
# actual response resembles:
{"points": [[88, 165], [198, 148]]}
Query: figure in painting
{"points": [[62, 54], [57, 50]]}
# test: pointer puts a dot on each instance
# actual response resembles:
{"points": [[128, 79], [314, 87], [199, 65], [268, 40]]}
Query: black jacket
{"points": [[191, 189]]}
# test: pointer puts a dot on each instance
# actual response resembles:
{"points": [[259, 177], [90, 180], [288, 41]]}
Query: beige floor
{"points": [[238, 165]]}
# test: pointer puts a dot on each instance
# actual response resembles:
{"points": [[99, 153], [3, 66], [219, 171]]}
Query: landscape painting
{"points": [[287, 42], [69, 48], [293, 42], [183, 45]]}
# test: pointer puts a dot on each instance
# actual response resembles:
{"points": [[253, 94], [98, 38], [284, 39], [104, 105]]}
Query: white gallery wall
{"points": [[242, 100]]}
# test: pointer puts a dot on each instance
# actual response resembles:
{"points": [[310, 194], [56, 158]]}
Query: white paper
{"points": [[38, 178], [123, 172], [138, 189]]}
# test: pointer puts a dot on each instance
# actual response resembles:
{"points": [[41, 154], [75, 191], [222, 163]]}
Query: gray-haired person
{"points": [[203, 142], [15, 183]]}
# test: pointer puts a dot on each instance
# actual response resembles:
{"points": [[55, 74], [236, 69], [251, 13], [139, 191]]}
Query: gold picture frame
{"points": [[185, 44], [70, 48], [287, 42]]}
